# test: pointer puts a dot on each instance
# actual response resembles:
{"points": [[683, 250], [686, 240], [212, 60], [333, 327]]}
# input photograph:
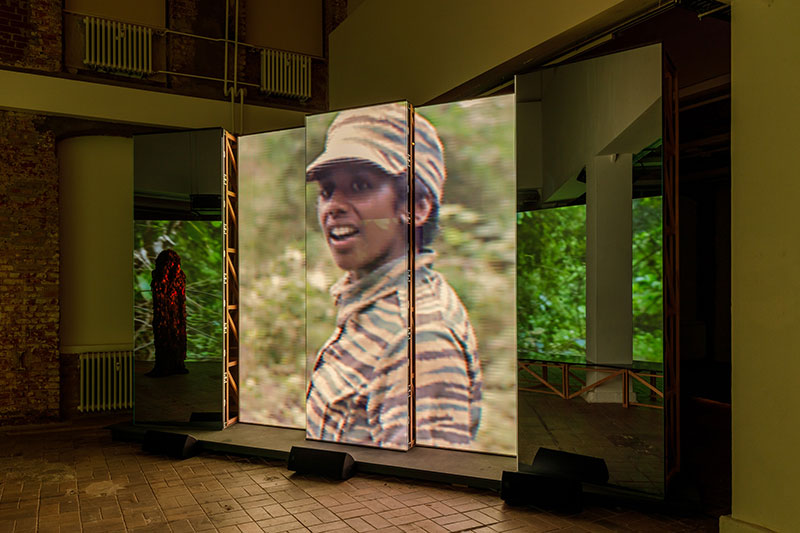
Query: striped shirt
{"points": [[359, 389]]}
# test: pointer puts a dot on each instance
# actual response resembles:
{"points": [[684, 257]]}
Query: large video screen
{"points": [[272, 278], [465, 292], [376, 309], [357, 290], [360, 215]]}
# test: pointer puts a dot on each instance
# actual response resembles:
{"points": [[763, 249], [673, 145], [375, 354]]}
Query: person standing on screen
{"points": [[168, 289], [358, 391]]}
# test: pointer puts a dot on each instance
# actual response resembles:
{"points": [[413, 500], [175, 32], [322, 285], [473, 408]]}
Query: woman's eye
{"points": [[325, 192], [360, 186]]}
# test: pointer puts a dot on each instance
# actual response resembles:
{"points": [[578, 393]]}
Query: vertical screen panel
{"points": [[465, 329], [272, 278], [357, 243]]}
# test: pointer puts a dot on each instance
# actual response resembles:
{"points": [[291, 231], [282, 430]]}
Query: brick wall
{"points": [[199, 56], [30, 34], [29, 270]]}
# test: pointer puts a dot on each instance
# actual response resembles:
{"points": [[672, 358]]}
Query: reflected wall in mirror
{"points": [[178, 314], [589, 278]]}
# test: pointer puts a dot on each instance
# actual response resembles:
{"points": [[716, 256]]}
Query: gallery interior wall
{"points": [[765, 286], [447, 43], [96, 188]]}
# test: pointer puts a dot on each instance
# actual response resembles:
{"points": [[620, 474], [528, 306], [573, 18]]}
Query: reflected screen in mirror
{"points": [[171, 391]]}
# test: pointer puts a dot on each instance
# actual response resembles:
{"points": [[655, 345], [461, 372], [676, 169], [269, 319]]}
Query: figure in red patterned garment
{"points": [[169, 315]]}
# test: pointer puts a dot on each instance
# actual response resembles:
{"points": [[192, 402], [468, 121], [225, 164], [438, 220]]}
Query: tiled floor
{"points": [[63, 478]]}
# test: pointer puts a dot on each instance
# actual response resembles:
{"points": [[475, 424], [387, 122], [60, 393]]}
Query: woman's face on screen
{"points": [[361, 220]]}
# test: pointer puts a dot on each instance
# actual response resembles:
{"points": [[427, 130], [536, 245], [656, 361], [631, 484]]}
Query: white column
{"points": [[609, 314], [96, 234]]}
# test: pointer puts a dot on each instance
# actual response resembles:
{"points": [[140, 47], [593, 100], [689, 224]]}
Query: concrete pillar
{"points": [[96, 234], [609, 314]]}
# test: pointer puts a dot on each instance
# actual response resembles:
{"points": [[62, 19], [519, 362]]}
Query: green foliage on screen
{"points": [[199, 243], [272, 278], [648, 331], [551, 282]]}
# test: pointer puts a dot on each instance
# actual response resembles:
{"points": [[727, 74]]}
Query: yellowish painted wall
{"points": [[147, 12], [765, 247], [418, 49], [33, 93], [96, 211], [294, 25]]}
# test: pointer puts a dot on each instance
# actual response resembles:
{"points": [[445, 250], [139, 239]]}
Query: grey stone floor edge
{"points": [[471, 469]]}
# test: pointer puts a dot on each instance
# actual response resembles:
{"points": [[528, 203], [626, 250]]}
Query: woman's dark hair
{"points": [[427, 233]]}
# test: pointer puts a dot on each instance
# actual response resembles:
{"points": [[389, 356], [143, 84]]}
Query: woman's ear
{"points": [[422, 210]]}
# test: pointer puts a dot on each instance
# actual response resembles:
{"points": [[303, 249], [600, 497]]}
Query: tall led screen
{"points": [[465, 335], [272, 278], [357, 243], [433, 366]]}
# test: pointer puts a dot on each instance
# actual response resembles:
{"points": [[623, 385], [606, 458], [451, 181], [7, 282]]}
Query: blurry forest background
{"points": [[475, 248], [551, 282], [199, 244], [272, 278]]}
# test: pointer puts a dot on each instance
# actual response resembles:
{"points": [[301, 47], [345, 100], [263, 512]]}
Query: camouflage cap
{"points": [[377, 135]]}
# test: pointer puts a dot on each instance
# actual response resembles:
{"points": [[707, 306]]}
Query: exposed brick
{"points": [[29, 308], [34, 28]]}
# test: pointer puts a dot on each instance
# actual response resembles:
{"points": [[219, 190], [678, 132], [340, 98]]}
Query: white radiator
{"points": [[118, 47], [106, 381], [286, 74]]}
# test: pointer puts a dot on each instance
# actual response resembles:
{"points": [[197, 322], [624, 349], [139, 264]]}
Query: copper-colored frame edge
{"points": [[231, 337], [412, 250]]}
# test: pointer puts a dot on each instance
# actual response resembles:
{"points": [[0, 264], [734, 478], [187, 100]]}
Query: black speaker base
{"points": [[544, 492], [175, 445], [555, 463], [328, 463]]}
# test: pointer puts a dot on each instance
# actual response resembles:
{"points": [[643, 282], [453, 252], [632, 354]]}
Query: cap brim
{"points": [[349, 153]]}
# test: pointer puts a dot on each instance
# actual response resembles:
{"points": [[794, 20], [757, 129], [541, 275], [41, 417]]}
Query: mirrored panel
{"points": [[590, 305], [178, 316], [358, 338], [272, 278], [465, 336]]}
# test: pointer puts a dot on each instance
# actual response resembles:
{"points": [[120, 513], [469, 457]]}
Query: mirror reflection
{"points": [[178, 278], [589, 281]]}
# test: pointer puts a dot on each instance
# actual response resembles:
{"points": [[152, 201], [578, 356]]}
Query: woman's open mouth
{"points": [[342, 233]]}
